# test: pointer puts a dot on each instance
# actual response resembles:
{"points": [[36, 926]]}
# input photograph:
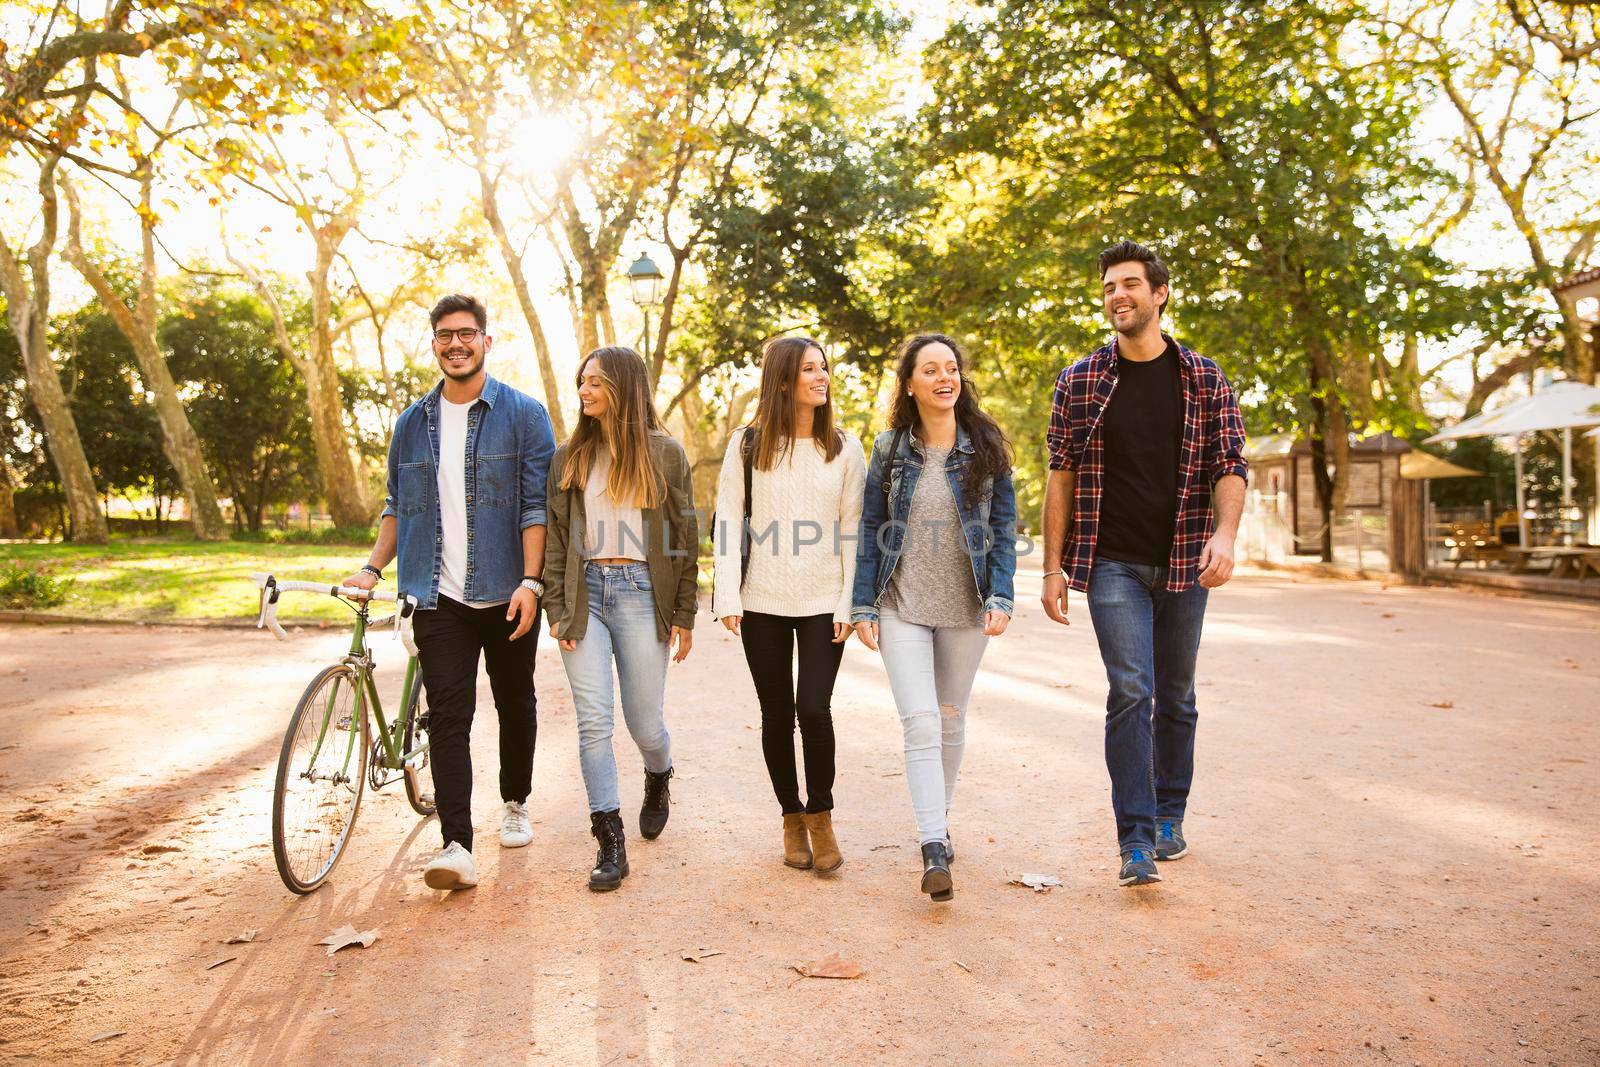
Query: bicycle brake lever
{"points": [[268, 619], [405, 611]]}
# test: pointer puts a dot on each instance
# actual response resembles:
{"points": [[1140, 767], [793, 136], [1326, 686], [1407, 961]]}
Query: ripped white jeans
{"points": [[931, 670]]}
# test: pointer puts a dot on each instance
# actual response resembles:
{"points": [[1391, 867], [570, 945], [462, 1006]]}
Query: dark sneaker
{"points": [[1170, 844], [657, 797], [1138, 868]]}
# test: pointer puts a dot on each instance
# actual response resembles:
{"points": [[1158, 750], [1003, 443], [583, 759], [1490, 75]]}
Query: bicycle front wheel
{"points": [[321, 772], [419, 756]]}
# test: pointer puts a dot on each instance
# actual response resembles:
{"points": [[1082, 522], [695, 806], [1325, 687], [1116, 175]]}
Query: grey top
{"points": [[932, 583]]}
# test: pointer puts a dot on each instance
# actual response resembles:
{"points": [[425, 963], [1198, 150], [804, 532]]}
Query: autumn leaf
{"points": [[346, 936]]}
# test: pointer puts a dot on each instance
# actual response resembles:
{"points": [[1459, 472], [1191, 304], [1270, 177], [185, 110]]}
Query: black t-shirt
{"points": [[1143, 432]]}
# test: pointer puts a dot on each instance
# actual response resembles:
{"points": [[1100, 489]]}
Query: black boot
{"points": [[936, 871], [611, 861], [653, 815]]}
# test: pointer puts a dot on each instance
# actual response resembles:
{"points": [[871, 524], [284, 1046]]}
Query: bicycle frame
{"points": [[391, 739]]}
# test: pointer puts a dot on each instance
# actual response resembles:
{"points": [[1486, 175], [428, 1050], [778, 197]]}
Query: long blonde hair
{"points": [[623, 432], [774, 422]]}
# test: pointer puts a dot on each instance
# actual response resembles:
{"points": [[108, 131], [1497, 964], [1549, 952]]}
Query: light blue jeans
{"points": [[931, 671], [622, 626]]}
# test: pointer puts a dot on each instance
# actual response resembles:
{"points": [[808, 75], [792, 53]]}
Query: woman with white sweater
{"points": [[791, 485]]}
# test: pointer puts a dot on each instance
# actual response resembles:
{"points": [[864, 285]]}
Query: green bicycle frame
{"points": [[392, 739]]}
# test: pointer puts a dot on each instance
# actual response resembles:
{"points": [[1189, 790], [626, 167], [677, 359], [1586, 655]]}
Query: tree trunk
{"points": [[336, 464], [530, 314], [28, 310], [341, 482], [178, 439], [8, 504]]}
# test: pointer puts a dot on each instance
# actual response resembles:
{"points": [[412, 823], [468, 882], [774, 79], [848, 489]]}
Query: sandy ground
{"points": [[1392, 830]]}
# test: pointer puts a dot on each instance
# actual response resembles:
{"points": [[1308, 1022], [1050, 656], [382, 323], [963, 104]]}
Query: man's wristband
{"points": [[1048, 574], [374, 571]]}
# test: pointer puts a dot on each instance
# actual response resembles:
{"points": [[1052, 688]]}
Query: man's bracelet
{"points": [[1048, 574], [375, 572]]}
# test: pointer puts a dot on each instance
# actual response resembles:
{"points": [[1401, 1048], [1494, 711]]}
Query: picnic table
{"points": [[1579, 561]]}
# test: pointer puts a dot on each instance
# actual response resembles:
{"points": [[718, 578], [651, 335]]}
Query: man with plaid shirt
{"points": [[1140, 512]]}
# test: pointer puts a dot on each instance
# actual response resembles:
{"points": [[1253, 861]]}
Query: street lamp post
{"points": [[646, 278]]}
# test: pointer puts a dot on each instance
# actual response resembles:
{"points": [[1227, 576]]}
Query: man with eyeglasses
{"points": [[465, 512]]}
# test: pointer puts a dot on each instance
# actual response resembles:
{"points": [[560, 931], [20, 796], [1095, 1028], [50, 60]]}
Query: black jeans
{"points": [[448, 642], [769, 642]]}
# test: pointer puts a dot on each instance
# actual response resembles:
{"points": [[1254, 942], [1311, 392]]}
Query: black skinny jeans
{"points": [[448, 642], [769, 643]]}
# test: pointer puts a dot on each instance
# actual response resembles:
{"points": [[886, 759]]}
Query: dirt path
{"points": [[1392, 828]]}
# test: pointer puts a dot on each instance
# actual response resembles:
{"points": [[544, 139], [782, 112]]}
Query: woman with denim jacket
{"points": [[620, 575], [934, 566]]}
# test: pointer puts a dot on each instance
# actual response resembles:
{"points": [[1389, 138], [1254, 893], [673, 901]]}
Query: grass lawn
{"points": [[150, 579]]}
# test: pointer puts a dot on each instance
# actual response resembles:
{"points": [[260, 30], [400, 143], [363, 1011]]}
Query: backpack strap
{"points": [[894, 458], [747, 448]]}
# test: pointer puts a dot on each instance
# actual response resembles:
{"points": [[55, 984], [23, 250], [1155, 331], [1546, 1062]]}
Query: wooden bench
{"points": [[1576, 560]]}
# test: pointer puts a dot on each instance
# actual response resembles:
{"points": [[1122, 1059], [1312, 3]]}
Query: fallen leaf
{"points": [[832, 966], [156, 850], [963, 966], [1039, 883], [880, 848], [1441, 703], [242, 938], [696, 957], [219, 963], [107, 1035], [346, 936], [1387, 615]]}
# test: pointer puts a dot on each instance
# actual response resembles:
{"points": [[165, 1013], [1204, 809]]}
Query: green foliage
{"points": [[1235, 138], [245, 400], [31, 588], [120, 433], [361, 536]]}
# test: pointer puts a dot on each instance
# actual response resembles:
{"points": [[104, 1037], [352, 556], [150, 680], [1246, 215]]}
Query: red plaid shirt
{"points": [[1213, 445]]}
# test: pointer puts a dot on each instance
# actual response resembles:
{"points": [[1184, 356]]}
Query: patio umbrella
{"points": [[1419, 466], [1564, 406]]}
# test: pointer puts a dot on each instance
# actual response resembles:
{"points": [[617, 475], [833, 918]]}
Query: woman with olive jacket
{"points": [[934, 567], [791, 586], [620, 573]]}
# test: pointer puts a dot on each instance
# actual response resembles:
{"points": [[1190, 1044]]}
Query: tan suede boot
{"points": [[796, 847], [823, 843]]}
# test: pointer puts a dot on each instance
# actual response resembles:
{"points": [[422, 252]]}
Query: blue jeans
{"points": [[931, 671], [1149, 639], [622, 626]]}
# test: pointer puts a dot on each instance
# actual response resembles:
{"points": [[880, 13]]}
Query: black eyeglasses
{"points": [[466, 333]]}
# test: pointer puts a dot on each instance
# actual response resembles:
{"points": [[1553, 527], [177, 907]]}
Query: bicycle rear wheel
{"points": [[419, 768], [321, 773]]}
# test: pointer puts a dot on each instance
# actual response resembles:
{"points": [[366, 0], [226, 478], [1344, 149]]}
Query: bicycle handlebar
{"points": [[271, 588]]}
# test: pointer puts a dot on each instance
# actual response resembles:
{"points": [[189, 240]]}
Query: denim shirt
{"points": [[988, 524], [509, 445]]}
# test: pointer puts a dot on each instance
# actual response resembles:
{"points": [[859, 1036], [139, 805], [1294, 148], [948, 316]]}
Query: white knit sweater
{"points": [[797, 579]]}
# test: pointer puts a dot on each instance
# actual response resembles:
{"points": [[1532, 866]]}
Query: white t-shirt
{"points": [[453, 502]]}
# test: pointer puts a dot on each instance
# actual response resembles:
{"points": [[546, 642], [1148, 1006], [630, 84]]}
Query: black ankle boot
{"points": [[936, 871], [653, 815], [611, 861]]}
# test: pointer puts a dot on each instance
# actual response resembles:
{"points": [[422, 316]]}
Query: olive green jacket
{"points": [[672, 543]]}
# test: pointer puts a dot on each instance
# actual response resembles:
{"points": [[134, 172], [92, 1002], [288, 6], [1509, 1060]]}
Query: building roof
{"points": [[1282, 445], [1582, 284]]}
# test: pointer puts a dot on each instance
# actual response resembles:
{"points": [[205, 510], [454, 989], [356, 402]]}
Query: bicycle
{"points": [[329, 754]]}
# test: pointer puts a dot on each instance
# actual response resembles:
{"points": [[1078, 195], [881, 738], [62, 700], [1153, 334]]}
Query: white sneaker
{"points": [[452, 868], [515, 829]]}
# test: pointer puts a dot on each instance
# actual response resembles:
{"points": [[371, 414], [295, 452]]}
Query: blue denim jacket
{"points": [[988, 524], [509, 445]]}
